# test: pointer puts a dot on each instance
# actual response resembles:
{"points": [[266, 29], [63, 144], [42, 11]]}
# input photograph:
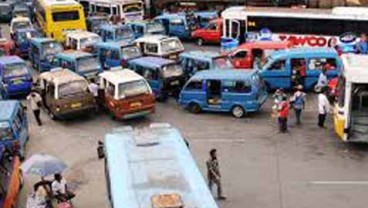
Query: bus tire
{"points": [[194, 108], [238, 111], [200, 41], [52, 115]]}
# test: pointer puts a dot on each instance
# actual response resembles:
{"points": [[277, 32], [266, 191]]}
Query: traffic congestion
{"points": [[102, 105]]}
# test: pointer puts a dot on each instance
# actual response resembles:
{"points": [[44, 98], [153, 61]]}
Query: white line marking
{"points": [[339, 182]]}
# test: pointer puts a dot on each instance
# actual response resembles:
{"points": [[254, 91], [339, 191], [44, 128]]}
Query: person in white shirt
{"points": [[323, 107], [93, 88], [60, 189], [36, 103]]}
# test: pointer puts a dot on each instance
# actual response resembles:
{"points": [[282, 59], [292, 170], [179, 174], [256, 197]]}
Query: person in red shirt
{"points": [[283, 114], [302, 72]]}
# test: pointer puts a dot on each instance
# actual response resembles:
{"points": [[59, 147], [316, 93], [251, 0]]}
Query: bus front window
{"points": [[25, 36], [124, 33], [134, 7], [171, 46], [72, 88], [90, 41], [172, 71], [88, 64], [51, 48], [155, 28], [22, 25], [65, 16], [131, 52], [15, 70], [133, 89], [5, 131]]}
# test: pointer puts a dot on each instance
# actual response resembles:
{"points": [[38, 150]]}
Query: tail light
{"points": [[124, 63]]}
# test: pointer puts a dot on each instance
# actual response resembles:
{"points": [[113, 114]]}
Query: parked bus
{"points": [[126, 10], [351, 108], [144, 167], [56, 17], [302, 27]]}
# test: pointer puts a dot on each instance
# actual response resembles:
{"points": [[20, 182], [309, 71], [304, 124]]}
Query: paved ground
{"points": [[306, 168]]}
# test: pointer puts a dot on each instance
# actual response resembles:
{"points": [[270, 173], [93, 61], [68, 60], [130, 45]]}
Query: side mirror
{"points": [[100, 150]]}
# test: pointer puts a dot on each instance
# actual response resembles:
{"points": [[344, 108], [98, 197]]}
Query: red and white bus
{"points": [[302, 27]]}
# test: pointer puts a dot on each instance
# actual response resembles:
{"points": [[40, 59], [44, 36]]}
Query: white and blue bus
{"points": [[153, 166]]}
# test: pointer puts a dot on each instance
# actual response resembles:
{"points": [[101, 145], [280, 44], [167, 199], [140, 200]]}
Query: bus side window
{"points": [[51, 90], [278, 65], [110, 89], [316, 63], [151, 48], [194, 85], [237, 86]]}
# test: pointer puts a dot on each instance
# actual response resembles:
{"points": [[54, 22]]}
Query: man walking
{"points": [[298, 102], [323, 107], [283, 114], [213, 174], [36, 103]]}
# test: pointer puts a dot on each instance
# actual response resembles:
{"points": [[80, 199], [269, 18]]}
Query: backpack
{"points": [[299, 102]]}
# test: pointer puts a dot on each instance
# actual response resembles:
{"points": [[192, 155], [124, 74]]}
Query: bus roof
{"points": [[10, 60], [153, 161], [118, 44], [60, 2], [60, 76], [155, 38], [7, 109], [79, 34], [120, 75], [73, 55], [151, 61], [304, 51], [201, 55], [343, 13], [228, 74], [355, 67]]}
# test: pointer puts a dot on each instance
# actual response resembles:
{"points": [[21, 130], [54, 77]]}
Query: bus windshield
{"points": [[87, 64], [123, 33], [173, 45], [90, 41], [222, 63], [51, 48], [65, 16], [131, 52], [72, 88], [25, 36], [98, 22], [155, 28], [172, 70], [15, 70], [133, 89], [21, 13], [5, 131], [21, 25], [132, 7]]}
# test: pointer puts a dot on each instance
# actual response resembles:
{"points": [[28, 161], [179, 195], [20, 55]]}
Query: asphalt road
{"points": [[306, 168]]}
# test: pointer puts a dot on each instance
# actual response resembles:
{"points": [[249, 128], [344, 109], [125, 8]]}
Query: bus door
{"points": [[359, 112], [234, 29], [214, 94]]}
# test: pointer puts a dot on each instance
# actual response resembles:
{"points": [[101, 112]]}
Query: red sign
{"points": [[298, 40]]}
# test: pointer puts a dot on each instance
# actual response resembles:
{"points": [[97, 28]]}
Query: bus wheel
{"points": [[52, 115], [194, 108], [199, 41], [238, 111]]}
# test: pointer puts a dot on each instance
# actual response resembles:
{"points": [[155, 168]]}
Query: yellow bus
{"points": [[351, 108], [56, 17]]}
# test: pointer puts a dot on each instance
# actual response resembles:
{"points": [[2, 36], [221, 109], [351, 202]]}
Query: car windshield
{"points": [[15, 70], [51, 48], [131, 52], [5, 131], [25, 36], [155, 28], [90, 41], [123, 33], [173, 45], [222, 63], [22, 25], [133, 88], [72, 88], [87, 64], [172, 70]]}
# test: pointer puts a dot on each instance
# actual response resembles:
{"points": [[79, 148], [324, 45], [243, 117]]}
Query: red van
{"points": [[210, 34], [245, 55]]}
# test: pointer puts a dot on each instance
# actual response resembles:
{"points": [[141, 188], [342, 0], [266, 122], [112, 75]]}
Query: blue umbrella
{"points": [[43, 165]]}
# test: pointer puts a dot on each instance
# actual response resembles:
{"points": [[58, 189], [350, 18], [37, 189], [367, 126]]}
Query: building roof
{"points": [[202, 55], [7, 109], [154, 62], [72, 54], [10, 60], [119, 75], [60, 76], [153, 161], [355, 67], [224, 74]]}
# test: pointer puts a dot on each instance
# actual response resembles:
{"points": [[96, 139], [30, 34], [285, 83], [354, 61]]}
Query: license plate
{"points": [[175, 83], [136, 104], [18, 81], [76, 105], [173, 57]]}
